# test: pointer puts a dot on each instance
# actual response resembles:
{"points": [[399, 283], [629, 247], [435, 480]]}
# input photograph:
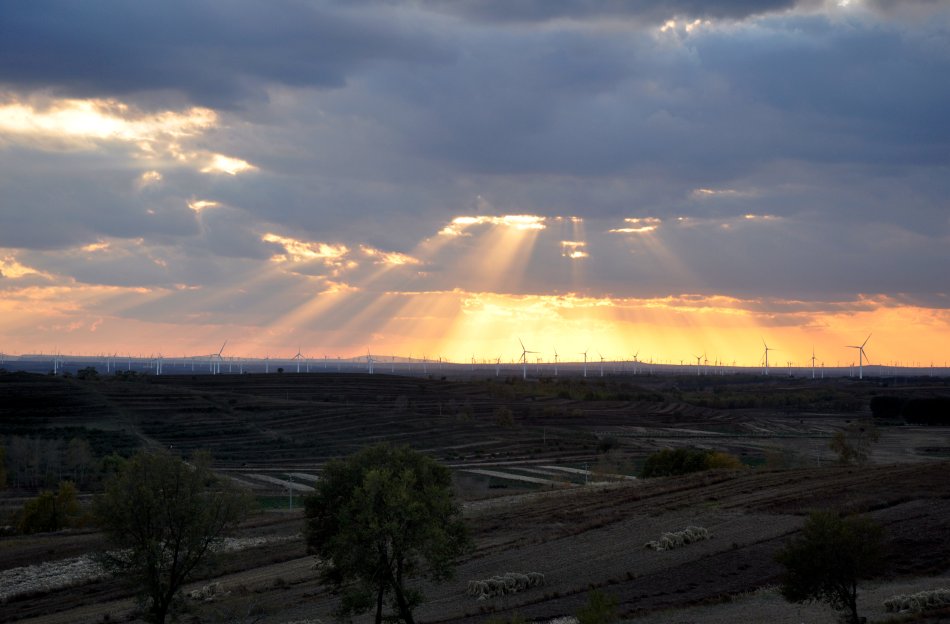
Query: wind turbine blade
{"points": [[865, 341]]}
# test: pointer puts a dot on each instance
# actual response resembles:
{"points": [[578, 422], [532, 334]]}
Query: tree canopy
{"points": [[826, 562], [164, 517], [680, 461], [50, 511], [379, 518]]}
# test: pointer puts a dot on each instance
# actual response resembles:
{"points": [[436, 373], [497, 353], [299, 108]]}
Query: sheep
{"points": [[508, 583], [920, 601], [676, 539], [497, 586], [207, 593], [535, 579], [521, 580], [478, 590]]}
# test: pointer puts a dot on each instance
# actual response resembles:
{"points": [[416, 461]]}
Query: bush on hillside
{"points": [[670, 462], [50, 511]]}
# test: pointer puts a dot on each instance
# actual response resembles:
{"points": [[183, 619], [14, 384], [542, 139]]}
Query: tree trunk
{"points": [[379, 603], [853, 603], [404, 611], [159, 612]]}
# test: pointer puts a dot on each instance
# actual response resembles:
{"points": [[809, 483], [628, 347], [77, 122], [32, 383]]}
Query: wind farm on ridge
{"points": [[219, 362]]}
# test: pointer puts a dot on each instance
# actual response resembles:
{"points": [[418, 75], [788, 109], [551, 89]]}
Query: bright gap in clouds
{"points": [[162, 139], [100, 119], [362, 297]]}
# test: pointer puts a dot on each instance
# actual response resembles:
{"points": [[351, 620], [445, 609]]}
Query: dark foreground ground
{"points": [[580, 537]]}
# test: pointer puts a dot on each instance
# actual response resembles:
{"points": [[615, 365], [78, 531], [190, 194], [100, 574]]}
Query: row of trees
{"points": [[378, 520], [915, 411], [32, 462]]}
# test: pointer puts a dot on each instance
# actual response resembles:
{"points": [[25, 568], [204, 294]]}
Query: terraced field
{"points": [[543, 468]]}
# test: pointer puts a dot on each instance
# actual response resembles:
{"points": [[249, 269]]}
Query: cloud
{"points": [[226, 155], [655, 11], [211, 53]]}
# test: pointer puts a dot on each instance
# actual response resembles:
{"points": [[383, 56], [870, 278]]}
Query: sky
{"points": [[431, 178]]}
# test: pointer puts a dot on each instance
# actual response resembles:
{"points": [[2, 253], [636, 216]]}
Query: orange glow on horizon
{"points": [[350, 298], [457, 324]]}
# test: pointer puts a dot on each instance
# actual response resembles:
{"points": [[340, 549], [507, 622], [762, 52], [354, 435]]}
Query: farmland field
{"points": [[544, 469]]}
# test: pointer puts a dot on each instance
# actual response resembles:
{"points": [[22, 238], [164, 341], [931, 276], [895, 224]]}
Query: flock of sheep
{"points": [[508, 583], [208, 592], [918, 602], [669, 541]]}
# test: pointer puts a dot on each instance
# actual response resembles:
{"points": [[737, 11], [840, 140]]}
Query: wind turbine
{"points": [[767, 349], [601, 363], [369, 361], [584, 353], [813, 361], [699, 359], [298, 357], [861, 356], [214, 360], [497, 365], [635, 361], [555, 361], [524, 360]]}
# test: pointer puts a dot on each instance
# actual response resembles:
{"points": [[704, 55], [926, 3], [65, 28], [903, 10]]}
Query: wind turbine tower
{"points": [[584, 353], [524, 360], [813, 361], [767, 349], [861, 356]]}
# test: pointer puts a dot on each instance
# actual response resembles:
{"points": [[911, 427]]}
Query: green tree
{"points": [[601, 608], [853, 443], [165, 517], [50, 511], [380, 517], [826, 562]]}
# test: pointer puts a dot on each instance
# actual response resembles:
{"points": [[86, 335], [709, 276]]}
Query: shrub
{"points": [[723, 461], [601, 608], [504, 416], [669, 462], [826, 562], [88, 373], [50, 511]]}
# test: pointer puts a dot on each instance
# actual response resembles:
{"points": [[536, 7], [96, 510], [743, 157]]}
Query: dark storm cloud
{"points": [[54, 200], [215, 53], [834, 120]]}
